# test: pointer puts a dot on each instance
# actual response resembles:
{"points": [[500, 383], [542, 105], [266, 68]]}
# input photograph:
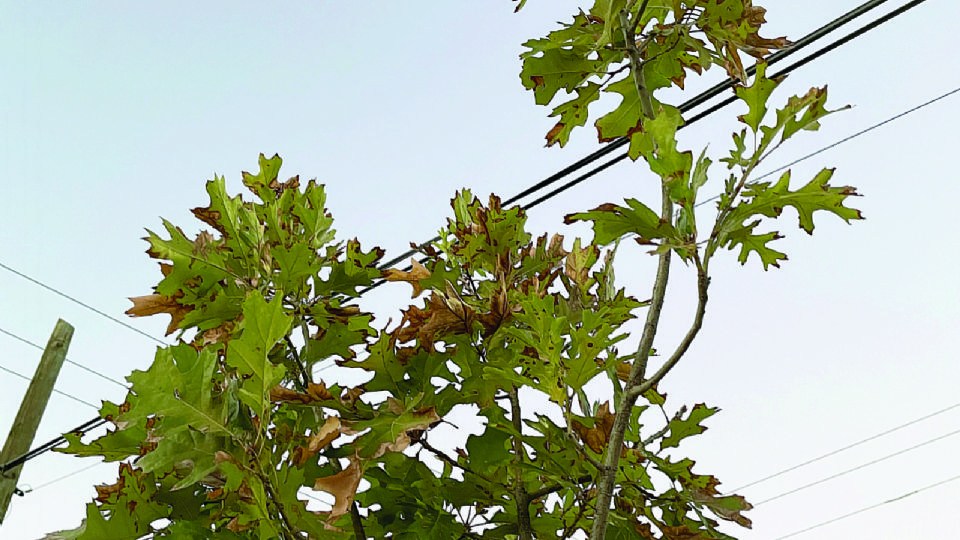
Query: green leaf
{"points": [[489, 450], [177, 387], [264, 324], [557, 69], [128, 513], [612, 222], [666, 161], [310, 210], [756, 96], [681, 428], [389, 431], [756, 243], [264, 182], [626, 119], [762, 199], [572, 114]]}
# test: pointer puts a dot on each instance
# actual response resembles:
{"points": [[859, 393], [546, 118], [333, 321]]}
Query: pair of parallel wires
{"points": [[552, 179]]}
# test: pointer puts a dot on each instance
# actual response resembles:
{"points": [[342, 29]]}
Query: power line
{"points": [[849, 446], [696, 101], [60, 478], [51, 444], [28, 379], [861, 132], [841, 141], [77, 364], [728, 84], [858, 467], [690, 104], [75, 301], [860, 511]]}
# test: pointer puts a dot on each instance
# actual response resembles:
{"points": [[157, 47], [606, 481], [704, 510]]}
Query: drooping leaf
{"points": [[265, 324], [612, 222]]}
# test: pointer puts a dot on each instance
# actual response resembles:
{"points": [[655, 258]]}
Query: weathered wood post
{"points": [[31, 409]]}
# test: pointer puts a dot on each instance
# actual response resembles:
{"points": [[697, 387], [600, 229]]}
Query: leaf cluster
{"points": [[230, 433], [223, 435]]}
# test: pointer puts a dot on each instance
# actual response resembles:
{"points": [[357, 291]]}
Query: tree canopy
{"points": [[228, 432]]}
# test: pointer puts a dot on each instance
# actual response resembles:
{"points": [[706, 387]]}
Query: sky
{"points": [[113, 114]]}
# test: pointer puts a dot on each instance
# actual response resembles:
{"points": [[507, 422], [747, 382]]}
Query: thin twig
{"points": [[357, 520], [305, 377], [447, 459], [611, 457], [557, 487]]}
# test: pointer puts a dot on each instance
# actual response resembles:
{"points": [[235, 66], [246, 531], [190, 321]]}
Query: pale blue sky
{"points": [[113, 114]]}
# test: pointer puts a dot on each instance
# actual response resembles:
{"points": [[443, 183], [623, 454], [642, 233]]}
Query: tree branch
{"points": [[447, 459], [357, 520], [703, 282], [305, 377], [557, 487], [611, 457], [519, 492]]}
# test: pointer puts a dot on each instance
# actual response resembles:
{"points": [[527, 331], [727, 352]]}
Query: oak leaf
{"points": [[315, 392], [343, 486], [596, 437], [153, 304], [413, 277], [329, 432]]}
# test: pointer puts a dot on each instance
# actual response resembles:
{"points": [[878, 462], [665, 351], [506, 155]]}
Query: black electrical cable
{"points": [[49, 445], [685, 107], [730, 100], [693, 102]]}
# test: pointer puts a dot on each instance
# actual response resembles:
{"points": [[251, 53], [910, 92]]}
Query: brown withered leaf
{"points": [[351, 395], [210, 217], [413, 277], [315, 392], [343, 486], [153, 304], [235, 526], [623, 371], [596, 437], [416, 421], [220, 334], [106, 491], [727, 508], [758, 46], [444, 315], [554, 133], [329, 432]]}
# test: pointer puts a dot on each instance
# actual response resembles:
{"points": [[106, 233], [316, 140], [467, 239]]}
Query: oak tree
{"points": [[231, 432]]}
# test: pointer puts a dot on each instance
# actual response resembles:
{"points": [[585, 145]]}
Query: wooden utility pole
{"points": [[31, 409]]}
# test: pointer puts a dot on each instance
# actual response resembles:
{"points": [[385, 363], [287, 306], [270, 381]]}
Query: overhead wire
{"points": [[871, 507], [841, 141], [80, 303], [51, 444], [28, 379], [67, 360], [31, 489], [729, 84], [858, 467], [694, 102], [848, 447], [688, 105]]}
